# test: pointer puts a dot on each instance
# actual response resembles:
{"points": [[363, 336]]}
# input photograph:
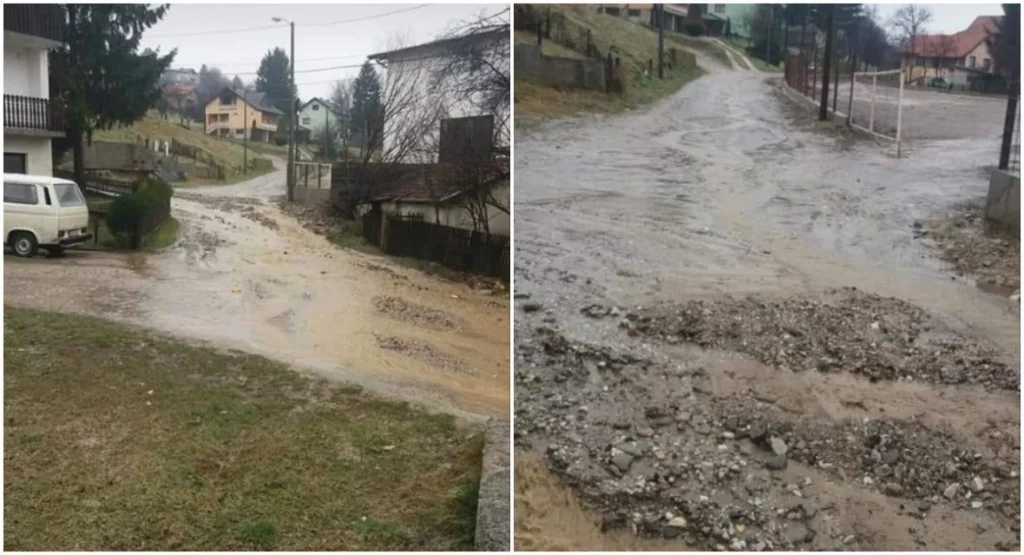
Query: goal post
{"points": [[876, 103]]}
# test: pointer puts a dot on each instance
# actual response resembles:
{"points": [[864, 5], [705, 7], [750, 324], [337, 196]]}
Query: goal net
{"points": [[876, 103]]}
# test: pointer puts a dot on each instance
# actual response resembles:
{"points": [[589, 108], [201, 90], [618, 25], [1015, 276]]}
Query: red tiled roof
{"points": [[961, 44]]}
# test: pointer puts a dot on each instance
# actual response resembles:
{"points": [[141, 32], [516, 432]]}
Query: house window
{"points": [[634, 13], [212, 118], [15, 162], [316, 107], [223, 117], [20, 193], [719, 8], [986, 63], [305, 121], [972, 62]]}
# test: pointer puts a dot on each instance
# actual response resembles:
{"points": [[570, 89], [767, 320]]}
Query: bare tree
{"points": [[941, 50], [908, 23], [474, 70]]}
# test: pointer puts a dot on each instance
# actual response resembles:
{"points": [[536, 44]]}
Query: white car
{"points": [[43, 212]]}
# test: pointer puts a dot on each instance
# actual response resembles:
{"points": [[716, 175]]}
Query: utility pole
{"points": [[291, 120], [830, 34], [661, 41], [1011, 119], [327, 130], [245, 133]]}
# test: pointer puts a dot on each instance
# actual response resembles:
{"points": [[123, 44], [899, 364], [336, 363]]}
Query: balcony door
{"points": [[15, 163]]}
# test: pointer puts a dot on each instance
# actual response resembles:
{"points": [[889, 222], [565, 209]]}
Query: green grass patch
{"points": [[117, 439], [634, 44], [163, 236]]}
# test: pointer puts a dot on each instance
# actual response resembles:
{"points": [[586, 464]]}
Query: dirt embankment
{"points": [[962, 239]]}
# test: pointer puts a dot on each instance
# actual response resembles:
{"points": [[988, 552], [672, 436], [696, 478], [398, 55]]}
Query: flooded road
{"points": [[719, 192], [243, 275]]}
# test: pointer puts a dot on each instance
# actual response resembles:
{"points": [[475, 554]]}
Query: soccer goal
{"points": [[876, 103]]}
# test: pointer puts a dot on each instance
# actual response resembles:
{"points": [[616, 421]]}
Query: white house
{"points": [[317, 115], [413, 103], [31, 118]]}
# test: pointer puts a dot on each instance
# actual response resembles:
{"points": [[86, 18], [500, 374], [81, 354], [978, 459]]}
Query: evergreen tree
{"points": [[237, 84], [274, 79], [1004, 44], [100, 75], [366, 101]]}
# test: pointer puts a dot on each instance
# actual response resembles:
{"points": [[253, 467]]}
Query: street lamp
{"points": [[291, 113]]}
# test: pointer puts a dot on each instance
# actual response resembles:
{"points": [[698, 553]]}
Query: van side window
{"points": [[21, 193], [46, 195]]}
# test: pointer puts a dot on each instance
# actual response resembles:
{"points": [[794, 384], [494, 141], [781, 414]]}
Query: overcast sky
{"points": [[196, 30], [946, 18]]}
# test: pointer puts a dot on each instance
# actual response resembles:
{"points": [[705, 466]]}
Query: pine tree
{"points": [[273, 78], [366, 101], [100, 37]]}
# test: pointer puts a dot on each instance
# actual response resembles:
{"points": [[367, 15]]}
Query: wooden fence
{"points": [[463, 250]]}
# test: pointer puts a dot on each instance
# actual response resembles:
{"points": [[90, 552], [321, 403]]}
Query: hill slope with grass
{"points": [[634, 44], [227, 153]]}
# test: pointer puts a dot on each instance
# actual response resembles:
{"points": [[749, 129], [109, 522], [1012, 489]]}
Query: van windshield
{"points": [[68, 194]]}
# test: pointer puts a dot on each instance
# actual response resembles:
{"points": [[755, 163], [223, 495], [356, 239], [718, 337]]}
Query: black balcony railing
{"points": [[26, 112], [40, 20]]}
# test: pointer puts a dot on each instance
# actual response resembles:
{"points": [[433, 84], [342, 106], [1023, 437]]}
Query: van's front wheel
{"points": [[24, 244]]}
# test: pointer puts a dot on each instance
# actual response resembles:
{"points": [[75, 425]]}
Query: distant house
{"points": [[646, 14], [940, 55], [409, 93], [237, 113], [182, 76], [31, 118], [316, 116]]}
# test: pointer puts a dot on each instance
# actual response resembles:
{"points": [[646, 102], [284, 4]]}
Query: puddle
{"points": [[995, 288]]}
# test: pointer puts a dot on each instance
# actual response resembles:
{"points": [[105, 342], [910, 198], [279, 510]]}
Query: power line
{"points": [[266, 27]]}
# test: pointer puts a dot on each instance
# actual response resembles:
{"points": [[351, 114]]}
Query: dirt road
{"points": [[862, 398], [245, 276]]}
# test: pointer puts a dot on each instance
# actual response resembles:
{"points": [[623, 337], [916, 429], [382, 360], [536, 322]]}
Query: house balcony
{"points": [[26, 115], [34, 25], [212, 127]]}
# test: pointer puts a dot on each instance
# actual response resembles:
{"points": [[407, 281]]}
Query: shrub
{"points": [[695, 28], [128, 212], [280, 141]]}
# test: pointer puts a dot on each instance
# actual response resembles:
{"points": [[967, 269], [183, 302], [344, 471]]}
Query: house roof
{"points": [[255, 99], [959, 44], [433, 183], [483, 36]]}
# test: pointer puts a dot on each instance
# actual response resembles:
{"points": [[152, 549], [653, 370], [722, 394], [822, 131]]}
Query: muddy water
{"points": [[245, 276], [716, 191]]}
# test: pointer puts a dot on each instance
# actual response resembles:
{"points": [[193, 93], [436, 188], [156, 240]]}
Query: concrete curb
{"points": [[492, 514]]}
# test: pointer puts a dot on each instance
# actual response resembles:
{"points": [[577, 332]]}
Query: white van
{"points": [[41, 211]]}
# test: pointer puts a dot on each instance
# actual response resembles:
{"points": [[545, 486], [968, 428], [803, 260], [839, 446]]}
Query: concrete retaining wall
{"points": [[493, 518], [552, 71], [1002, 206]]}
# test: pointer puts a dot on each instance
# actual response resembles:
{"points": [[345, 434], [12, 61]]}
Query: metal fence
{"points": [[312, 175]]}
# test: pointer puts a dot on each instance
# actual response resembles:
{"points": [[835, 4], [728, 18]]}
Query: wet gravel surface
{"points": [[845, 330], [692, 360]]}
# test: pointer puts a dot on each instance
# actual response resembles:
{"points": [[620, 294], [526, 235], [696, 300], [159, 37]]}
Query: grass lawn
{"points": [[117, 439], [634, 44]]}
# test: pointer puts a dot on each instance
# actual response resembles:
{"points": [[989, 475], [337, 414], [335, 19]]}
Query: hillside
{"points": [[634, 44], [227, 153]]}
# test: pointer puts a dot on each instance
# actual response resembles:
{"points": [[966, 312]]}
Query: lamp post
{"points": [[291, 113]]}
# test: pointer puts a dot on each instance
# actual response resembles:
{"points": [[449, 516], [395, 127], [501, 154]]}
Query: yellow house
{"points": [[237, 114]]}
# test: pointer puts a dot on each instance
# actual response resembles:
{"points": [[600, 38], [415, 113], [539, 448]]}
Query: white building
{"points": [[413, 103], [31, 118]]}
